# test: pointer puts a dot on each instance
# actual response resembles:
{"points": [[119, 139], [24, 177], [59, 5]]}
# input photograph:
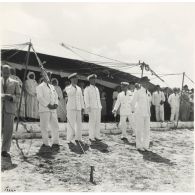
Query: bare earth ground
{"points": [[168, 167]]}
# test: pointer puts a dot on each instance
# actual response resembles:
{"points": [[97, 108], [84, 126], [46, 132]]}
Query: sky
{"points": [[160, 34]]}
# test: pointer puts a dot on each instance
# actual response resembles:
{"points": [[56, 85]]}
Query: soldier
{"points": [[158, 99], [174, 102], [124, 102], [75, 106], [141, 106], [93, 108]]}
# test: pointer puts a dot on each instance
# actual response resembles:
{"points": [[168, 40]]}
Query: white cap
{"points": [[72, 75], [124, 83], [91, 76]]}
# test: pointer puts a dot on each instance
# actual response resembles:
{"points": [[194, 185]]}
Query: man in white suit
{"points": [[158, 99], [48, 103], [141, 106], [124, 102], [93, 108], [174, 101], [75, 106]]}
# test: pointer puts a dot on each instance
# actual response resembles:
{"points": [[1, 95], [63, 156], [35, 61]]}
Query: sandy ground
{"points": [[169, 166]]}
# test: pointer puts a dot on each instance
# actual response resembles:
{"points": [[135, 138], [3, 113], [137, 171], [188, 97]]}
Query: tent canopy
{"points": [[66, 65]]}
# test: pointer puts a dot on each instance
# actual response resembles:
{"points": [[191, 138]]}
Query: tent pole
{"points": [[22, 91], [180, 100]]}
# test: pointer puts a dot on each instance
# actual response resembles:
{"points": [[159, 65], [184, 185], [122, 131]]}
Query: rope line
{"points": [[189, 79]]}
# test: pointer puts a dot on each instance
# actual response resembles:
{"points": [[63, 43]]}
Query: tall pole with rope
{"points": [[180, 100], [21, 95]]}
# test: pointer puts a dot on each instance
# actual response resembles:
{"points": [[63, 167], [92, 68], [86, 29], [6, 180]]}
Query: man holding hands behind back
{"points": [[93, 107], [75, 106]]}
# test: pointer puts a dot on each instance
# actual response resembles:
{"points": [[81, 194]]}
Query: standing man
{"points": [[60, 112], [75, 106], [48, 103], [124, 102], [158, 99], [174, 102], [141, 106], [10, 93], [31, 97], [93, 108], [22, 108]]}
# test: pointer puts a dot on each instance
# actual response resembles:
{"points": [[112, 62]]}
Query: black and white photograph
{"points": [[97, 96]]}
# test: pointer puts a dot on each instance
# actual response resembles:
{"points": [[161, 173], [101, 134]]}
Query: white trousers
{"points": [[174, 113], [142, 132], [74, 124], [159, 110], [49, 119], [94, 123], [123, 123]]}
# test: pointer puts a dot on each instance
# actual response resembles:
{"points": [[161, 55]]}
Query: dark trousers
{"points": [[7, 131]]}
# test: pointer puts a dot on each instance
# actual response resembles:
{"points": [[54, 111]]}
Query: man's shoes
{"points": [[72, 142], [124, 138], [91, 140], [146, 149], [141, 149], [98, 139], [55, 147], [5, 154], [45, 149]]}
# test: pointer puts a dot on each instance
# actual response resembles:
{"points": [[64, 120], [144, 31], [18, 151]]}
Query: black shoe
{"points": [[124, 139], [92, 140], [55, 147], [45, 149], [5, 154], [98, 139]]}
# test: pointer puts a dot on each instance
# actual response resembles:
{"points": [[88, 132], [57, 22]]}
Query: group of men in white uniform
{"points": [[133, 105], [136, 107], [77, 102]]}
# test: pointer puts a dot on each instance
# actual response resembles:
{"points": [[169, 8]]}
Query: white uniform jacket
{"points": [[124, 101], [92, 97], [75, 98], [174, 100], [142, 100], [157, 98], [46, 94]]}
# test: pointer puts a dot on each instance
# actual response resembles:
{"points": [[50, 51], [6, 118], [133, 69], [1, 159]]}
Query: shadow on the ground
{"points": [[153, 157], [6, 164], [98, 145], [8, 168], [79, 148]]}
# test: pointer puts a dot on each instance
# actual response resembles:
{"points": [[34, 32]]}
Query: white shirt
{"points": [[142, 100], [75, 98], [92, 97], [124, 102], [174, 100], [46, 94], [157, 97]]}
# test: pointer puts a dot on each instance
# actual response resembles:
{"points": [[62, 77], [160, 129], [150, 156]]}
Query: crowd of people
{"points": [[50, 104], [166, 104]]}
